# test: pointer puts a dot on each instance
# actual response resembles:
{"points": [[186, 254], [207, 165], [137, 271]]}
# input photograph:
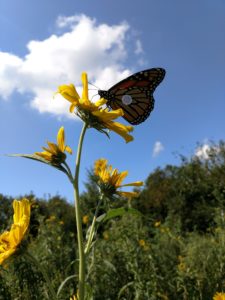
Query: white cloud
{"points": [[9, 77], [63, 21], [98, 49], [139, 48], [158, 147], [203, 151]]}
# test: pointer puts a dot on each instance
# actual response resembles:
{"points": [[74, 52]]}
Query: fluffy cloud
{"points": [[203, 151], [9, 76], [84, 45], [158, 147]]}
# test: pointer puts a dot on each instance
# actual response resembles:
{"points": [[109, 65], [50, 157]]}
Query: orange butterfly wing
{"points": [[135, 94]]}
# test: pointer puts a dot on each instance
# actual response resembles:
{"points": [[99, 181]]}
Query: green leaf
{"points": [[109, 265], [117, 212], [64, 282], [124, 288], [40, 159], [100, 218]]}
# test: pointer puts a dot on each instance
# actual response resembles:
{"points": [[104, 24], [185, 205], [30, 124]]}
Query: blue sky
{"points": [[47, 43]]}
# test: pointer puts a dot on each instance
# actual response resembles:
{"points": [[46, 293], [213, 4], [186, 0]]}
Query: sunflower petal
{"points": [[84, 79], [136, 183], [107, 116], [69, 92], [121, 129], [100, 102], [127, 194], [61, 139], [69, 150]]}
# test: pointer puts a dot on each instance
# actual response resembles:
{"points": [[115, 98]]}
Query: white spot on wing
{"points": [[127, 99]]}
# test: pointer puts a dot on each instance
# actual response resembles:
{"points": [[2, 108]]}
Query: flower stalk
{"points": [[81, 283], [92, 229]]}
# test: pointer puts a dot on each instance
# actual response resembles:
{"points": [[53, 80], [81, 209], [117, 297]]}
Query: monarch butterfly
{"points": [[135, 94]]}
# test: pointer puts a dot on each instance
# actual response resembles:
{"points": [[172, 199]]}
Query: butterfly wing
{"points": [[135, 94], [147, 79], [140, 108]]}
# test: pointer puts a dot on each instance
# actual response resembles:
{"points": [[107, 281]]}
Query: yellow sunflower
{"points": [[110, 180], [10, 240], [55, 153], [93, 113], [219, 296]]}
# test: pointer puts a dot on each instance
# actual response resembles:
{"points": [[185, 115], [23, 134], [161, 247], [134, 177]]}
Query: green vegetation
{"points": [[173, 249]]}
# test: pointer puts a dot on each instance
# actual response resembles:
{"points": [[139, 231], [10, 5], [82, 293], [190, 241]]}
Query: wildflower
{"points": [[142, 243], [110, 179], [157, 224], [85, 219], [106, 235], [219, 296], [73, 298], [182, 267], [10, 240], [55, 153], [93, 113]]}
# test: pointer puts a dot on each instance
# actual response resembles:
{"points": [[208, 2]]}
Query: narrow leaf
{"points": [[64, 282], [117, 212], [40, 159]]}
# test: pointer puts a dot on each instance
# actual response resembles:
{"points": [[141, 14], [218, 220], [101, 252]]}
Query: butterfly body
{"points": [[135, 94]]}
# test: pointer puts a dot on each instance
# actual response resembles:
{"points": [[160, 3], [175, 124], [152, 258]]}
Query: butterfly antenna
{"points": [[94, 96], [93, 85]]}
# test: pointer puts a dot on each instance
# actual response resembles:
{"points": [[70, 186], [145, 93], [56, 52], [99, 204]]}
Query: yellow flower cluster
{"points": [[85, 219], [110, 180], [142, 243], [105, 235], [219, 296], [54, 154], [94, 114], [181, 265], [157, 224], [10, 240], [73, 298]]}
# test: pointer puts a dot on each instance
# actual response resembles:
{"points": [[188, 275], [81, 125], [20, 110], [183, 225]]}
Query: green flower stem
{"points": [[81, 283], [69, 174], [44, 273], [92, 230]]}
